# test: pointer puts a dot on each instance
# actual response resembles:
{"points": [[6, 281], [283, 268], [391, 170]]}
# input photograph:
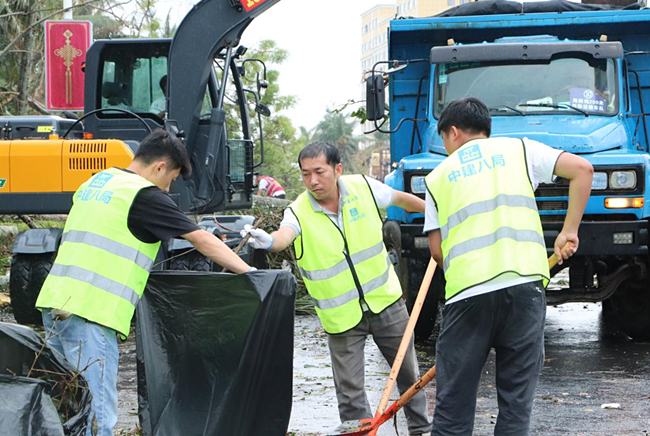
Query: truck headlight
{"points": [[418, 185], [599, 181], [622, 180]]}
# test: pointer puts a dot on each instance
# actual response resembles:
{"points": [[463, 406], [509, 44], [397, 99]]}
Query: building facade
{"points": [[374, 48]]}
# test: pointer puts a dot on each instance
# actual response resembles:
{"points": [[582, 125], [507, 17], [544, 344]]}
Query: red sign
{"points": [[251, 4], [66, 43]]}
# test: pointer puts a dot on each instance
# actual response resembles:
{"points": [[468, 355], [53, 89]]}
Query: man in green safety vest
{"points": [[336, 230], [109, 244], [484, 229]]}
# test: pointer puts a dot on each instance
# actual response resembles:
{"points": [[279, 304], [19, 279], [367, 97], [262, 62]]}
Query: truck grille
{"points": [[553, 190], [552, 205], [558, 189]]}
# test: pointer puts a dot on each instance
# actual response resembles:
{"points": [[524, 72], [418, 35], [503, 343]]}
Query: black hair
{"points": [[315, 149], [468, 114], [163, 84], [161, 145]]}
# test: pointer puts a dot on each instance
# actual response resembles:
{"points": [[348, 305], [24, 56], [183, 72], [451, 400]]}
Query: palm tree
{"points": [[335, 129]]}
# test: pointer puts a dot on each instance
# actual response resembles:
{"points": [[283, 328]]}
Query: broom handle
{"points": [[428, 376], [406, 339]]}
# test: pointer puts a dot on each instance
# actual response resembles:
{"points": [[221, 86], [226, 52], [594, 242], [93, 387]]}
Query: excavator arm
{"points": [[212, 28]]}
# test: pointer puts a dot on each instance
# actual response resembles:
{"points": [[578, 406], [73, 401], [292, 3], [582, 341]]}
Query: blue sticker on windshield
{"points": [[442, 79], [588, 100]]}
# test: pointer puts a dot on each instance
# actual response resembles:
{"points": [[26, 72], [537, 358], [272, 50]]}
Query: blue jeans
{"points": [[92, 349]]}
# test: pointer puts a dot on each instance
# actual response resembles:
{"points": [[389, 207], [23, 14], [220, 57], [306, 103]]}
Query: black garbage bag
{"points": [[36, 396], [215, 353]]}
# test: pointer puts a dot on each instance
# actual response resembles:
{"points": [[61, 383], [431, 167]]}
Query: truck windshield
{"points": [[564, 85]]}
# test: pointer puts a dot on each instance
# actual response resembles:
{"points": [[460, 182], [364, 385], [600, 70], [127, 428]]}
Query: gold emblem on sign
{"points": [[68, 52]]}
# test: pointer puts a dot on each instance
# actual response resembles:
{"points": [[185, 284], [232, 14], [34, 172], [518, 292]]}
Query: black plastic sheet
{"points": [[26, 406], [215, 353]]}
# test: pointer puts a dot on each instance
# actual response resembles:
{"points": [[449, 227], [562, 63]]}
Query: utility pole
{"points": [[67, 14]]}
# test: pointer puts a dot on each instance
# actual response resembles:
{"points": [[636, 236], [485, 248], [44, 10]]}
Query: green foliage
{"points": [[282, 142], [335, 129]]}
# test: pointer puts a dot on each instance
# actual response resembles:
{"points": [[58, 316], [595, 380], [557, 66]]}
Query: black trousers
{"points": [[511, 321]]}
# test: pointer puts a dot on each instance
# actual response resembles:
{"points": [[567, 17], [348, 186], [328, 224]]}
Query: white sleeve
{"points": [[383, 193], [263, 185], [541, 161], [430, 214], [290, 220], [158, 106]]}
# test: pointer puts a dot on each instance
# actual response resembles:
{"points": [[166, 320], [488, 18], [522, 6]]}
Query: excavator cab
{"points": [[131, 76]]}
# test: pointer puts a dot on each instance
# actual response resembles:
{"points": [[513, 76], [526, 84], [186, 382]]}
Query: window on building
{"points": [[451, 2]]}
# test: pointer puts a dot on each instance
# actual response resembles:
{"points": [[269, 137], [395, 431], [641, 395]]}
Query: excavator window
{"points": [[134, 77]]}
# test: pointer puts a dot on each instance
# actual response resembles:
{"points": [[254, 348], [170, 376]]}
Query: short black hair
{"points": [[315, 149], [468, 114], [163, 84], [162, 145]]}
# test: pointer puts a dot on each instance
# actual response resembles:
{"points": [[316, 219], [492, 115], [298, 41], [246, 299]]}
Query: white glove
{"points": [[258, 238]]}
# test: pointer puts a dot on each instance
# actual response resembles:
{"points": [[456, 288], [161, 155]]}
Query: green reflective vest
{"points": [[101, 269], [342, 266], [487, 213]]}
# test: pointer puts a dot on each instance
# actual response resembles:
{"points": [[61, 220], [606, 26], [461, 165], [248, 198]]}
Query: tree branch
{"points": [[38, 22], [37, 106]]}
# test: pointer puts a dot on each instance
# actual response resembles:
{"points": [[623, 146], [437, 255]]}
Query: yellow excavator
{"points": [[44, 159]]}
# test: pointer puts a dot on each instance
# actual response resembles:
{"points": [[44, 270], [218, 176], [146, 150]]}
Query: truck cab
{"points": [[575, 80]]}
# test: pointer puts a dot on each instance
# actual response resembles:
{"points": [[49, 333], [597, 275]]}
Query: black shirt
{"points": [[155, 217]]}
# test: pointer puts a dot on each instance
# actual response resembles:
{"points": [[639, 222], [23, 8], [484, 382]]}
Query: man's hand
{"points": [[214, 248], [258, 237], [563, 252]]}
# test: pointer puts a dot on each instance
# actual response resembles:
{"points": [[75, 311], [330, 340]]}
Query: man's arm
{"points": [[212, 247], [282, 238], [435, 241], [276, 241], [408, 201], [579, 172]]}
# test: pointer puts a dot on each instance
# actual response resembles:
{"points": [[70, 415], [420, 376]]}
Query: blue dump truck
{"points": [[573, 76]]}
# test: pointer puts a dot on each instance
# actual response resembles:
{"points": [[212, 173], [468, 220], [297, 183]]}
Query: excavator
{"points": [[44, 159]]}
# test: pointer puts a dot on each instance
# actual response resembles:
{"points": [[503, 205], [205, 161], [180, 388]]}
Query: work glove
{"points": [[258, 237]]}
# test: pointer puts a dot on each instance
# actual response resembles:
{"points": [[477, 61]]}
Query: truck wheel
{"points": [[393, 243], [411, 273], [190, 261], [632, 310], [27, 274]]}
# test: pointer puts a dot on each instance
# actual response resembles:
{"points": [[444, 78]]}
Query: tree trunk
{"points": [[26, 70]]}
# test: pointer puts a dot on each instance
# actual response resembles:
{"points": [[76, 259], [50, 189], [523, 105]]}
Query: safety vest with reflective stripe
{"points": [[341, 266], [101, 268], [273, 187], [487, 213]]}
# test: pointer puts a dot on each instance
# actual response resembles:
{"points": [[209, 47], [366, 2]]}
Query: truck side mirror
{"points": [[375, 97]]}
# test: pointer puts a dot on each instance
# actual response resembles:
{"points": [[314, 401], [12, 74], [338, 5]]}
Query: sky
{"points": [[323, 38]]}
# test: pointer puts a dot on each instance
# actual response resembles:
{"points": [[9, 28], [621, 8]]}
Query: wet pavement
{"points": [[588, 364]]}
